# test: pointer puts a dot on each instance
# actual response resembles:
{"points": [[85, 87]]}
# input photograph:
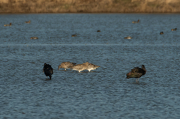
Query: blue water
{"points": [[104, 93]]}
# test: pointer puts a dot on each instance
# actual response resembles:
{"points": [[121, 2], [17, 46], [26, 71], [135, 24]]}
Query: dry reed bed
{"points": [[88, 6]]}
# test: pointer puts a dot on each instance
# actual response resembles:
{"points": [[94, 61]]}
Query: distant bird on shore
{"points": [[8, 24], [161, 33], [98, 31], [48, 70], [92, 67], [28, 22], [80, 67], [74, 35], [136, 72], [129, 37], [135, 21], [66, 65], [34, 37], [174, 29]]}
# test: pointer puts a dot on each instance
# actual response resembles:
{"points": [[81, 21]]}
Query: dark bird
{"points": [[136, 72], [48, 70], [161, 33], [98, 31], [174, 29]]}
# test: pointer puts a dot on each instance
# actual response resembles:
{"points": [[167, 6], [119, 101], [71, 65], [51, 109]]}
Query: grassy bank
{"points": [[89, 6]]}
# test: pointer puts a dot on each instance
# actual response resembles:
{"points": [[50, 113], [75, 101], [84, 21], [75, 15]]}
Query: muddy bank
{"points": [[89, 6]]}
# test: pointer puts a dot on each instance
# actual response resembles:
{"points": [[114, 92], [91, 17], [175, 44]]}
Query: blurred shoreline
{"points": [[89, 6]]}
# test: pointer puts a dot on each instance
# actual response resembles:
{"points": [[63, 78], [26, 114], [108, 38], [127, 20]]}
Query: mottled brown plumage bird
{"points": [[80, 67], [136, 72], [66, 65], [92, 67]]}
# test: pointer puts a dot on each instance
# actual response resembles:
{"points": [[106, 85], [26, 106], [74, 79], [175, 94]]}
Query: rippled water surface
{"points": [[104, 93]]}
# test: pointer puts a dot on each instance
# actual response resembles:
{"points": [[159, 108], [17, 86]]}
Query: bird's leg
{"points": [[137, 80]]}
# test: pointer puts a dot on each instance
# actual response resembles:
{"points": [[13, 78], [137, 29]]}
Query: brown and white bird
{"points": [[128, 37], [66, 65], [92, 67], [80, 67], [136, 73]]}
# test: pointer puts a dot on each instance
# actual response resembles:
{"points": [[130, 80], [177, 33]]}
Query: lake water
{"points": [[104, 93]]}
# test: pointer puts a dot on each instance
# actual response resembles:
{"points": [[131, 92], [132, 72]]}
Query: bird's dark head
{"points": [[143, 67], [44, 64], [74, 63]]}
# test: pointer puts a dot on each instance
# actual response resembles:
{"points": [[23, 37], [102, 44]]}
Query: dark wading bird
{"points": [[136, 73], [48, 70]]}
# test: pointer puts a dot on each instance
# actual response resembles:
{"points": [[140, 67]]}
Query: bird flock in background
{"points": [[136, 72]]}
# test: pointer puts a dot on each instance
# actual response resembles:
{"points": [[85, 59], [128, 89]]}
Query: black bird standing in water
{"points": [[48, 70], [136, 72]]}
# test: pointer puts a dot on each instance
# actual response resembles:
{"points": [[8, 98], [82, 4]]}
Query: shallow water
{"points": [[104, 93]]}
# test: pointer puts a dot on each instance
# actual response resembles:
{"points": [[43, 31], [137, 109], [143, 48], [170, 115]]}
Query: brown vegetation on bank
{"points": [[89, 6]]}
